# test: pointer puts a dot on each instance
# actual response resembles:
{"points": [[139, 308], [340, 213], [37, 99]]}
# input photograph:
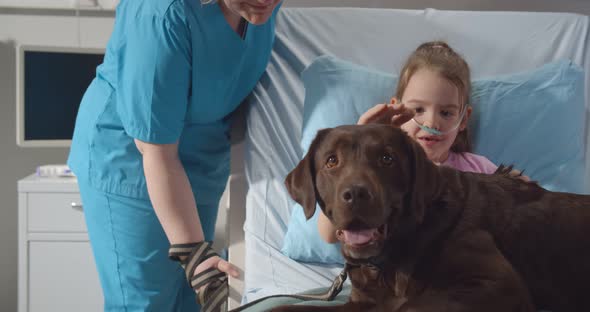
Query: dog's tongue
{"points": [[358, 237]]}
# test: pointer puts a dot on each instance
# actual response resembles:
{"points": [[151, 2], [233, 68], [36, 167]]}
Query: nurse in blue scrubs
{"points": [[151, 147]]}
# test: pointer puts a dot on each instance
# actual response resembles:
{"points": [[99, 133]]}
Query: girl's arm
{"points": [[326, 229]]}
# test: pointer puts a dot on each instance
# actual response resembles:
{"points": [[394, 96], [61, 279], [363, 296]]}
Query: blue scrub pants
{"points": [[131, 253]]}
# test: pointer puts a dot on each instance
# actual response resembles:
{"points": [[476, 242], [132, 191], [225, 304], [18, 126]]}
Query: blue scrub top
{"points": [[173, 72]]}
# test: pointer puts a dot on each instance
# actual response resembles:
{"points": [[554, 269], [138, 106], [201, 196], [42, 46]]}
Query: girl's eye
{"points": [[331, 162], [386, 160], [446, 113], [419, 110]]}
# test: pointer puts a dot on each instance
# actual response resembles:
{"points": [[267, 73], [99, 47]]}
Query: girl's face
{"points": [[437, 105], [254, 11]]}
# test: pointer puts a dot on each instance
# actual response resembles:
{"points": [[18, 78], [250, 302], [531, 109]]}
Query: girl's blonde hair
{"points": [[440, 58]]}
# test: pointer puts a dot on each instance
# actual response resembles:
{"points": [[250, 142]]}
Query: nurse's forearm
{"points": [[170, 192]]}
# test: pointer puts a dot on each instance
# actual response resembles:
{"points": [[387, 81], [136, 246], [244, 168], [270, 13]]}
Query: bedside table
{"points": [[56, 270]]}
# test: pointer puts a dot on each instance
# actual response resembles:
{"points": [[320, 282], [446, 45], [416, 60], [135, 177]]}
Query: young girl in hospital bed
{"points": [[431, 106]]}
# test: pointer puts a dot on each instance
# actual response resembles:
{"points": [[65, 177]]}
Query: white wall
{"points": [[44, 27]]}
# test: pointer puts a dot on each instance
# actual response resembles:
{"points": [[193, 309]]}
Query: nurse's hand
{"points": [[219, 264]]}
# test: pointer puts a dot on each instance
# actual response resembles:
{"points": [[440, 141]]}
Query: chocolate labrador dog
{"points": [[420, 237]]}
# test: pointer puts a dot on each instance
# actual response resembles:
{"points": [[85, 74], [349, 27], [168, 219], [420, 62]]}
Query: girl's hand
{"points": [[518, 174], [392, 114]]}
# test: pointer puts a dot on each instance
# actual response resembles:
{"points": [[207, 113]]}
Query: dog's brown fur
{"points": [[455, 241]]}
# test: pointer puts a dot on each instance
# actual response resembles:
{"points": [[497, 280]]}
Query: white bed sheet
{"points": [[492, 42]]}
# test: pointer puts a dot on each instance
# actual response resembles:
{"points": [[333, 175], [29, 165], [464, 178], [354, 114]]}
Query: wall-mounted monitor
{"points": [[50, 82]]}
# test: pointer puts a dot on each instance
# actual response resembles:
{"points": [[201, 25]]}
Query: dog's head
{"points": [[371, 181]]}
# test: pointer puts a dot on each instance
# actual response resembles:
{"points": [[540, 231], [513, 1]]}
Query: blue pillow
{"points": [[533, 119]]}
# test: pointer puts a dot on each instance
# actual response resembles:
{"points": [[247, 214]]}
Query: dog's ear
{"points": [[425, 180], [300, 182]]}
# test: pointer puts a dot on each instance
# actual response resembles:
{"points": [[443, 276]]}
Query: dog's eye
{"points": [[331, 162], [386, 160]]}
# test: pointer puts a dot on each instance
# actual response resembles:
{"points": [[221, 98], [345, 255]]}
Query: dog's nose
{"points": [[356, 194]]}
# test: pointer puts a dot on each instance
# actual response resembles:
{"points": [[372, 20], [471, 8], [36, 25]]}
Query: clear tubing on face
{"points": [[438, 132]]}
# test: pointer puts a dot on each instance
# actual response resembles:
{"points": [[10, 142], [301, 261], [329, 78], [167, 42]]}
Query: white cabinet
{"points": [[39, 4], [61, 4], [56, 270]]}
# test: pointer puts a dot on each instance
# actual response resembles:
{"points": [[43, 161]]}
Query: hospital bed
{"points": [[268, 132]]}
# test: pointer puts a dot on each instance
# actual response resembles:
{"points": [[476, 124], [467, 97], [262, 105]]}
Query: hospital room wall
{"points": [[18, 162]]}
